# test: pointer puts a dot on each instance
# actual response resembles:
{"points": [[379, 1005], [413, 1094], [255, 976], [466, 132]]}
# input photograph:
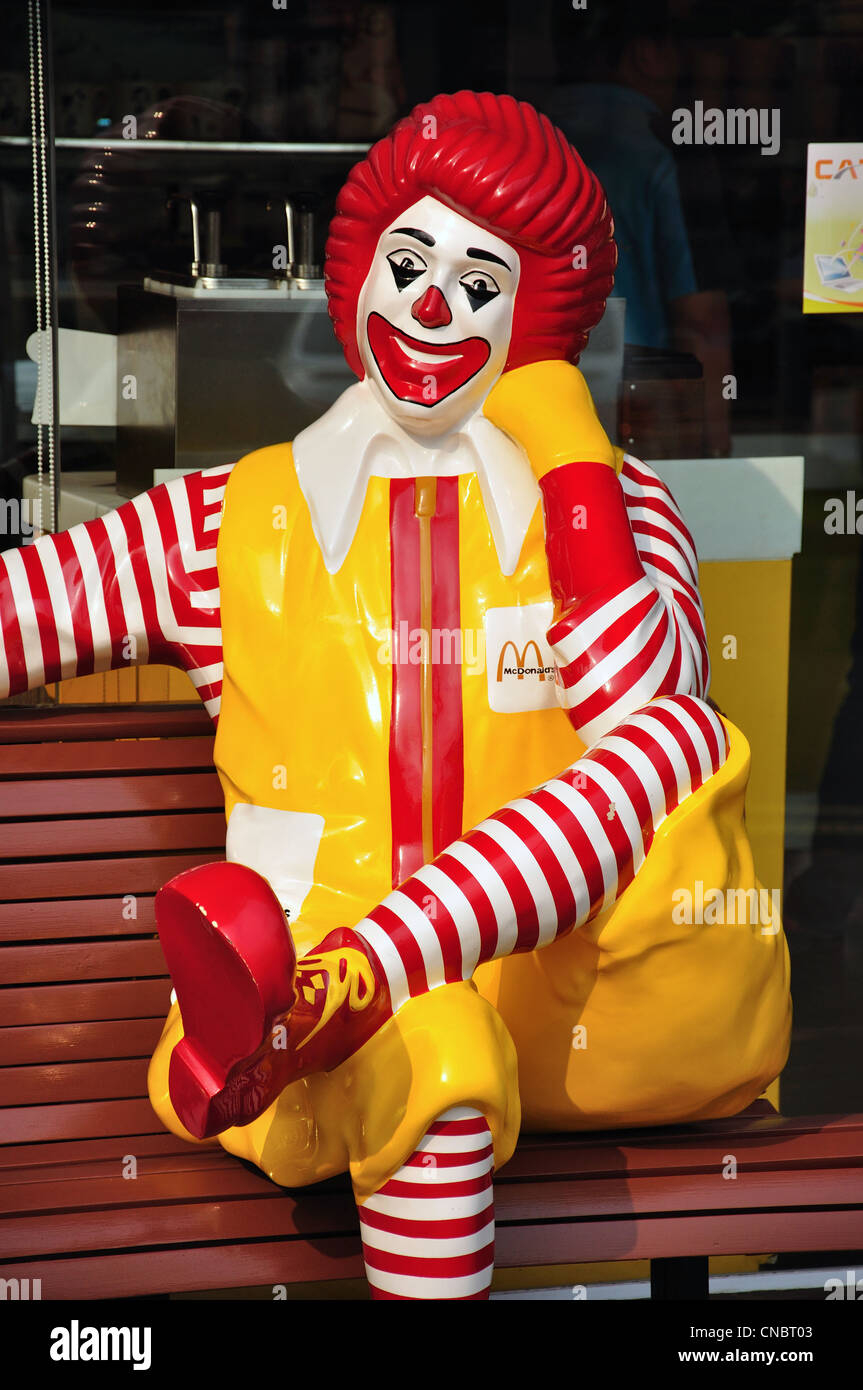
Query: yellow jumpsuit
{"points": [[631, 1020]]}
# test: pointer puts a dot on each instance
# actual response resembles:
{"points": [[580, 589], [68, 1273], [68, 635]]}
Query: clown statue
{"points": [[455, 649]]}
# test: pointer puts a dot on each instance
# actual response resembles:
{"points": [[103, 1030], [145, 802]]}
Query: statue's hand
{"points": [[547, 408]]}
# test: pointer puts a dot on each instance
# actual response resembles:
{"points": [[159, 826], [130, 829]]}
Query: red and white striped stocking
{"points": [[428, 1233]]}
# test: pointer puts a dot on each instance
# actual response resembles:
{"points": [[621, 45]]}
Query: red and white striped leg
{"points": [[428, 1233], [548, 861]]}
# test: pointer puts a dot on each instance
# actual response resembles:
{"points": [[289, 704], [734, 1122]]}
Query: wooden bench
{"points": [[97, 809]]}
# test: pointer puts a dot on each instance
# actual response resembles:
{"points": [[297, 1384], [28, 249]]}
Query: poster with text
{"points": [[833, 259]]}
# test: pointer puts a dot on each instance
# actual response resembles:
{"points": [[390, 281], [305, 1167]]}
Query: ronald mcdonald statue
{"points": [[454, 645]]}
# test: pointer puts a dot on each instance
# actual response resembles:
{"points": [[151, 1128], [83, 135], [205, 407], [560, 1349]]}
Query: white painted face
{"points": [[434, 317]]}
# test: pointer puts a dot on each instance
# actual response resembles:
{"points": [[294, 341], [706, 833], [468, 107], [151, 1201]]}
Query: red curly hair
{"points": [[501, 163]]}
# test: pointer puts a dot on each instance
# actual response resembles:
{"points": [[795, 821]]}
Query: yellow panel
{"points": [[750, 602], [748, 607], [82, 690], [127, 686], [180, 688], [152, 683]]}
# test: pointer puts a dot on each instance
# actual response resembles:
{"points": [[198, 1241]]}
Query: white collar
{"points": [[356, 440]]}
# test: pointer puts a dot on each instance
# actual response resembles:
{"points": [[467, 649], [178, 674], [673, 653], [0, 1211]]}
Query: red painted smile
{"points": [[419, 371]]}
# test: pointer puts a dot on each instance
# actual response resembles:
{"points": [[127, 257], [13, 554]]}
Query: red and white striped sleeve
{"points": [[137, 586], [629, 623]]}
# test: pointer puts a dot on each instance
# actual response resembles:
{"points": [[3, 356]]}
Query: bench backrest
{"points": [[98, 808]]}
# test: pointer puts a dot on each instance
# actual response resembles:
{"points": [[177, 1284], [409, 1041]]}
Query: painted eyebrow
{"points": [[477, 255], [415, 233]]}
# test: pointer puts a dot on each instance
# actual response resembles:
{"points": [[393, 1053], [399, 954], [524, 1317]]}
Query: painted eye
{"points": [[479, 287], [406, 266]]}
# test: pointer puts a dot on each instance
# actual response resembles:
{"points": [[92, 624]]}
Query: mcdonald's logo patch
{"points": [[520, 667]]}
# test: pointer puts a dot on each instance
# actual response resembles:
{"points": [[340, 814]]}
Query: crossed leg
{"points": [[544, 864], [428, 1233], [539, 867]]}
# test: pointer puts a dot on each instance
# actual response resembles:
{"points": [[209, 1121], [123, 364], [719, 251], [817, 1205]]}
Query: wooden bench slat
{"points": [[93, 1195], [86, 1003], [32, 1123], [90, 960], [694, 1151], [104, 722], [708, 1158], [70, 1232], [76, 878], [95, 757], [256, 1264], [76, 1151], [50, 919], [72, 1042], [586, 1199], [194, 1160], [100, 835], [74, 795], [120, 1079], [666, 1237], [47, 920]]}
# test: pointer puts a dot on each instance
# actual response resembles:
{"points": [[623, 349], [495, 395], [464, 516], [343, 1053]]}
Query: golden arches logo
{"points": [[521, 660]]}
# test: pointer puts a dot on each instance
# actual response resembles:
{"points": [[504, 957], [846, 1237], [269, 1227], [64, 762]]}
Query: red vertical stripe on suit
{"points": [[406, 717], [447, 651], [444, 650]]}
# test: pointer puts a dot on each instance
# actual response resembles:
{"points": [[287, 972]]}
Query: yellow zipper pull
{"points": [[425, 497]]}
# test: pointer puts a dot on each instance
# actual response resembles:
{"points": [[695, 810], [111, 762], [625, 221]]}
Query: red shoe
{"points": [[254, 1018]]}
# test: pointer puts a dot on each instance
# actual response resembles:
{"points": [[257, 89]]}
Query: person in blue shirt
{"points": [[673, 246], [611, 127]]}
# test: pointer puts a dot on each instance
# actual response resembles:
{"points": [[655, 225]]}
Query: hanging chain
{"points": [[45, 309], [37, 242]]}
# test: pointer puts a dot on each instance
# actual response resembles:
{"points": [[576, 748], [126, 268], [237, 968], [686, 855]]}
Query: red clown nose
{"points": [[432, 311]]}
